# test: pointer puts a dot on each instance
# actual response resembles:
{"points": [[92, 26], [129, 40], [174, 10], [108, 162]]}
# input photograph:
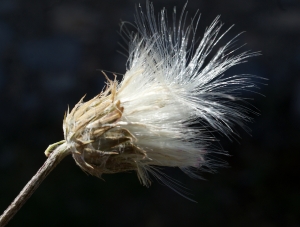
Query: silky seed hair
{"points": [[168, 107]]}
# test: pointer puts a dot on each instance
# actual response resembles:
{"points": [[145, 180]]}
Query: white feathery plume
{"points": [[163, 111]]}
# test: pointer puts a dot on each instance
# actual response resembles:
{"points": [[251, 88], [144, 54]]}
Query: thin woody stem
{"points": [[54, 158]]}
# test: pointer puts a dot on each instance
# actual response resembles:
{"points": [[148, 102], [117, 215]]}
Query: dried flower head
{"points": [[163, 111]]}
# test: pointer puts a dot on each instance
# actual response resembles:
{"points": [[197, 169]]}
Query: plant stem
{"points": [[54, 158]]}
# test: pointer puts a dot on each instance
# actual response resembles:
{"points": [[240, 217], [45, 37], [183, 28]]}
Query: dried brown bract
{"points": [[98, 144]]}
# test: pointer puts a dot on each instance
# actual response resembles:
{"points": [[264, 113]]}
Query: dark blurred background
{"points": [[50, 51]]}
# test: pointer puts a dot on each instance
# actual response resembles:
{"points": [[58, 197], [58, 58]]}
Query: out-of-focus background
{"points": [[50, 51]]}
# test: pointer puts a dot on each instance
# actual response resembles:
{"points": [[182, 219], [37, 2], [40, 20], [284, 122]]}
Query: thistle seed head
{"points": [[167, 106]]}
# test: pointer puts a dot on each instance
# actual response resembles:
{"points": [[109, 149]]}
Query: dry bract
{"points": [[98, 144]]}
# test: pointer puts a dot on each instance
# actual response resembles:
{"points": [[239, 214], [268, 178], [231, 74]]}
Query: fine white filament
{"points": [[175, 98]]}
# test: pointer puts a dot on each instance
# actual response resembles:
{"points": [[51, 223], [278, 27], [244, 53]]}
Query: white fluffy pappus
{"points": [[167, 107]]}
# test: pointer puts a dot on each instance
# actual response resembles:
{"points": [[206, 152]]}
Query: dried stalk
{"points": [[60, 151]]}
